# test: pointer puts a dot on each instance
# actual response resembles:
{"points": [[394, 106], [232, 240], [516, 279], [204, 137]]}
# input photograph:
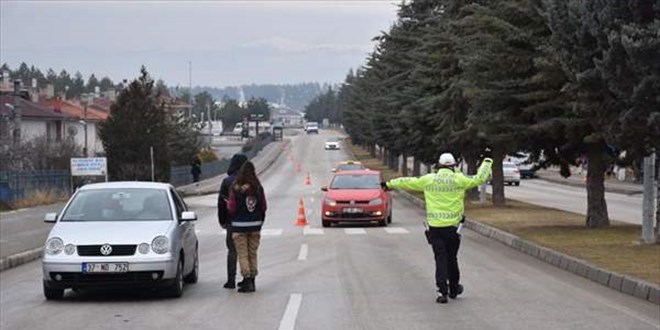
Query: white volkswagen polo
{"points": [[121, 234]]}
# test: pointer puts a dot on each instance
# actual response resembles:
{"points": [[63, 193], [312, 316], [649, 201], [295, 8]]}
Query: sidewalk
{"points": [[577, 180], [23, 232]]}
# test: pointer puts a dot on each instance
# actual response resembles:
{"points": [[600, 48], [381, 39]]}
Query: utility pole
{"points": [[84, 102], [190, 100], [649, 200], [17, 113]]}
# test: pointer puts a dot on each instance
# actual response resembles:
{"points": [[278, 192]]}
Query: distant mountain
{"points": [[295, 96]]}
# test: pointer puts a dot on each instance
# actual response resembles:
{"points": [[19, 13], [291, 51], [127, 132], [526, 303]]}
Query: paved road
{"points": [[621, 207], [347, 278]]}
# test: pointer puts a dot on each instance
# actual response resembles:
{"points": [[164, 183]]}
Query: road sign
{"points": [[89, 166]]}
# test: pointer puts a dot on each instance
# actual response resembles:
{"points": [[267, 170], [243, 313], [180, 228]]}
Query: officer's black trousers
{"points": [[445, 242], [231, 256]]}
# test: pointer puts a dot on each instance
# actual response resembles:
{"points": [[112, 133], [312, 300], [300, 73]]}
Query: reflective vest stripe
{"points": [[246, 224]]}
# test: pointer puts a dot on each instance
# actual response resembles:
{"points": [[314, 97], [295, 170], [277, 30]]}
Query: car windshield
{"points": [[355, 181], [118, 204], [349, 167]]}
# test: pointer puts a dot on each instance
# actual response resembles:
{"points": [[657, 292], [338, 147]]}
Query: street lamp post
{"points": [[84, 102]]}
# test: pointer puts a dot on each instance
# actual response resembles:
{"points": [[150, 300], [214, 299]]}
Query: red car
{"points": [[356, 196]]}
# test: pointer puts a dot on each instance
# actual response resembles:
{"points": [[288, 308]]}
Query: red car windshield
{"points": [[355, 181], [350, 167]]}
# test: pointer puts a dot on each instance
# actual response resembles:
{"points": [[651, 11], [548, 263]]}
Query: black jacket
{"points": [[234, 165]]}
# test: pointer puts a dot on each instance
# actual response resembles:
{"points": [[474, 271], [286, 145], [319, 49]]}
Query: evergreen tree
{"points": [[137, 122]]}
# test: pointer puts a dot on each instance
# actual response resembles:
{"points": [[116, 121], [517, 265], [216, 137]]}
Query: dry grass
{"points": [[615, 248], [40, 197]]}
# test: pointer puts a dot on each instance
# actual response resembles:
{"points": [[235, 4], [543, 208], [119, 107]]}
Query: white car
{"points": [[511, 173], [332, 145], [121, 234]]}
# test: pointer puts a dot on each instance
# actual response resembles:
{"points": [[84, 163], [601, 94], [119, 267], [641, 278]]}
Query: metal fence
{"points": [[17, 186]]}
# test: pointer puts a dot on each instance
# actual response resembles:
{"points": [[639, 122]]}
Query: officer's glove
{"points": [[487, 153], [383, 185]]}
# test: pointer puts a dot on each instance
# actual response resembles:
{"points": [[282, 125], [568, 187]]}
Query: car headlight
{"points": [[54, 246], [376, 201], [143, 248], [160, 244], [70, 249], [330, 202]]}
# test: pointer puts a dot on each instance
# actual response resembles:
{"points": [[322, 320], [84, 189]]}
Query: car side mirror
{"points": [[50, 217], [188, 216], [324, 188]]}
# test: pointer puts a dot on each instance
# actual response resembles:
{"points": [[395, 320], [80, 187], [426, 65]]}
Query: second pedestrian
{"points": [[247, 211]]}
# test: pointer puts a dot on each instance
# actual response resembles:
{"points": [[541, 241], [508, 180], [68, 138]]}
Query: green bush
{"points": [[207, 155]]}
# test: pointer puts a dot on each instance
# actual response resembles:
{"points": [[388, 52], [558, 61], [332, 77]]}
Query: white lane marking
{"points": [[289, 319], [302, 255], [355, 231], [313, 231], [397, 230], [271, 232]]}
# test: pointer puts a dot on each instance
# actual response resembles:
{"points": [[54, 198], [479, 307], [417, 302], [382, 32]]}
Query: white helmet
{"points": [[447, 159]]}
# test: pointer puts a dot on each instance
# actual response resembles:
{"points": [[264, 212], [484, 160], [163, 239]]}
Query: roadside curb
{"points": [[31, 255], [619, 282], [568, 182], [20, 258]]}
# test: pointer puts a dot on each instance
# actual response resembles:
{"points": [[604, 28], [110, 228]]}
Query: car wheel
{"points": [[176, 289], [53, 293], [389, 218], [326, 224], [383, 223], [194, 274], [516, 183]]}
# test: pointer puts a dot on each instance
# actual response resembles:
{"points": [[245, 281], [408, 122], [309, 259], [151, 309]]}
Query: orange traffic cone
{"points": [[302, 221], [308, 180]]}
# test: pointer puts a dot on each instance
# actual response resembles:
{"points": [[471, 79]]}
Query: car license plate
{"points": [[105, 267], [352, 210]]}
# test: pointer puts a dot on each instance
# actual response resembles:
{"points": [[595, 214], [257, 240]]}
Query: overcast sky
{"points": [[228, 42]]}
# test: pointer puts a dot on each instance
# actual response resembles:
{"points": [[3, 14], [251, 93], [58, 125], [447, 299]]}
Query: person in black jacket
{"points": [[195, 168], [223, 218], [247, 211]]}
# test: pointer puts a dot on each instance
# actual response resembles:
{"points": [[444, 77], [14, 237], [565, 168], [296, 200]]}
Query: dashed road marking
{"points": [[313, 231], [302, 255], [355, 231], [288, 321], [397, 230], [271, 232]]}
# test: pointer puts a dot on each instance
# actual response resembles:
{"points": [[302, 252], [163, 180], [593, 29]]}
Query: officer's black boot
{"points": [[455, 291], [442, 298], [242, 283]]}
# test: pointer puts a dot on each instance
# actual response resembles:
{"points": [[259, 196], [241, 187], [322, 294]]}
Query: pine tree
{"points": [[137, 122]]}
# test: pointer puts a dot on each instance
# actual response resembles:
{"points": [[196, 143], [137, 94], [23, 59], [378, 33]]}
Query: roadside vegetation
{"points": [[560, 80], [615, 247]]}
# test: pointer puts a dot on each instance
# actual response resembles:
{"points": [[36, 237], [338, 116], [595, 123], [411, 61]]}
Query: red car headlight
{"points": [[377, 201]]}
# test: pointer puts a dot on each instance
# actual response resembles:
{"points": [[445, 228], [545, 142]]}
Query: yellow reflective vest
{"points": [[444, 192]]}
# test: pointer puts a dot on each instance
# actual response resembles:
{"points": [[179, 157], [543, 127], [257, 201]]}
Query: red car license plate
{"points": [[353, 210]]}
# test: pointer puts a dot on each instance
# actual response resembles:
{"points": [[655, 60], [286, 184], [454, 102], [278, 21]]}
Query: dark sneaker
{"points": [[230, 285], [442, 299], [455, 293]]}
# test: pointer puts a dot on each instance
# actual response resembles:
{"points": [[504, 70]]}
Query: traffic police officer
{"points": [[444, 192]]}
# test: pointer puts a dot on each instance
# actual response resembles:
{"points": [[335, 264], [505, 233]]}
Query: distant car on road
{"points": [[121, 234], [332, 144], [312, 127], [511, 173], [348, 165], [356, 197]]}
